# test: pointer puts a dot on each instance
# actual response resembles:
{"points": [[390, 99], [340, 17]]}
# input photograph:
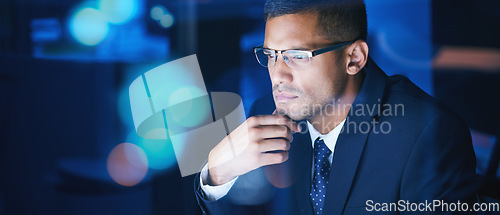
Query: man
{"points": [[346, 137]]}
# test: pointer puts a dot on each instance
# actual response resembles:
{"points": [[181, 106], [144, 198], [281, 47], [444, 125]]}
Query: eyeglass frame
{"points": [[310, 54]]}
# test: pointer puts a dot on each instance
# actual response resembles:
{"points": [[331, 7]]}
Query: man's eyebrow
{"points": [[305, 46], [293, 48], [301, 48]]}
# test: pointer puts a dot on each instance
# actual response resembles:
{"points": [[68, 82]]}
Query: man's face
{"points": [[302, 94]]}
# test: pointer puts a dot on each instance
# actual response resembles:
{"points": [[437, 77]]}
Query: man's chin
{"points": [[297, 117], [293, 115]]}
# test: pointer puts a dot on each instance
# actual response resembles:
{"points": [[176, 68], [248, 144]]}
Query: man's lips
{"points": [[284, 96]]}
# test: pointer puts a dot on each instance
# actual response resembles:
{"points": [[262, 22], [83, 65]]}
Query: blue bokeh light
{"points": [[118, 11], [192, 113], [89, 26], [157, 12], [123, 108], [167, 20], [160, 153]]}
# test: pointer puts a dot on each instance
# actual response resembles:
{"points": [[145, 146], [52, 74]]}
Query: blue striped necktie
{"points": [[320, 177]]}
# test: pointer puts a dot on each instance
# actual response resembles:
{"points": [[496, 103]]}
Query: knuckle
{"points": [[282, 143], [278, 130], [260, 145], [279, 158], [276, 158], [287, 146], [253, 131], [276, 118], [284, 130], [282, 119], [275, 128], [252, 120], [283, 157]]}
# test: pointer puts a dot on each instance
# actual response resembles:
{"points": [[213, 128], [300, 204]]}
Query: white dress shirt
{"points": [[330, 139], [213, 193]]}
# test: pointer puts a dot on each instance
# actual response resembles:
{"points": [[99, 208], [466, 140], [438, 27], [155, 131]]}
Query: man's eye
{"points": [[299, 57], [266, 52], [270, 55]]}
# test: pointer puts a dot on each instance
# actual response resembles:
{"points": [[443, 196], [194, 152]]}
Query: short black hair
{"points": [[339, 20]]}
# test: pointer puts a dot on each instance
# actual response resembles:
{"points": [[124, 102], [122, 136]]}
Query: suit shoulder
{"points": [[416, 109], [400, 90]]}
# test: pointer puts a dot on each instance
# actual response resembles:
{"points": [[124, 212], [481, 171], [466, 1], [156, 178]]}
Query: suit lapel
{"points": [[301, 157], [352, 139], [345, 162]]}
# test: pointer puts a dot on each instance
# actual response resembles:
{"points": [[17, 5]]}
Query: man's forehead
{"points": [[294, 31], [295, 46]]}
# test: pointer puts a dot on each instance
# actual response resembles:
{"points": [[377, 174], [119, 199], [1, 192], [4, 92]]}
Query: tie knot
{"points": [[320, 147]]}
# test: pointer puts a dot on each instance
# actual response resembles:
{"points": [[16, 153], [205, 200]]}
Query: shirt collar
{"points": [[330, 139]]}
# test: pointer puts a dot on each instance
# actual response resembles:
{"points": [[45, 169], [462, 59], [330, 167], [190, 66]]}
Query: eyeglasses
{"points": [[296, 59]]}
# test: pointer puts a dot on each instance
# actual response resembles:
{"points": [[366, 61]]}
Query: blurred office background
{"points": [[67, 139]]}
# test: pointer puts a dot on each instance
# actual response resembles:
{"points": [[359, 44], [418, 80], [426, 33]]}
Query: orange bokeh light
{"points": [[127, 164]]}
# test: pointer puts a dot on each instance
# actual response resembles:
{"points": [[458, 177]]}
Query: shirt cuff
{"points": [[213, 193]]}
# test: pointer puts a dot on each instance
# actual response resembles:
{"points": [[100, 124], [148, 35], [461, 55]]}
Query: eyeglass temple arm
{"points": [[262, 47], [258, 47], [330, 48]]}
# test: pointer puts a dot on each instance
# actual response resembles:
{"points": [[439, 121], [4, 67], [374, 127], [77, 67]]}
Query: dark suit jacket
{"points": [[418, 153]]}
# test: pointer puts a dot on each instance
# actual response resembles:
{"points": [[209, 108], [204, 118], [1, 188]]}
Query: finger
{"points": [[274, 131], [268, 145], [277, 120], [273, 158]]}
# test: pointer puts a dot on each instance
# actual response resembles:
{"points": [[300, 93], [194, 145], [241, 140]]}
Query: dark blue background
{"points": [[64, 105]]}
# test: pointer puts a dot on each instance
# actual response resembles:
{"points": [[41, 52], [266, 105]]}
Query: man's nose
{"points": [[280, 72]]}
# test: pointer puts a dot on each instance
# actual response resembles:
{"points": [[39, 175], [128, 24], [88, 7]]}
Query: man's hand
{"points": [[259, 141]]}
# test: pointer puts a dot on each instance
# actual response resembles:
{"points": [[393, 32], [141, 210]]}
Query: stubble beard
{"points": [[300, 110]]}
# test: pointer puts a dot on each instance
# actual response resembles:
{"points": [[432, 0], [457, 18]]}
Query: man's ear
{"points": [[357, 56]]}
